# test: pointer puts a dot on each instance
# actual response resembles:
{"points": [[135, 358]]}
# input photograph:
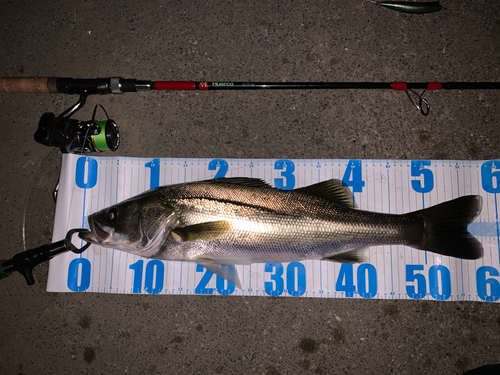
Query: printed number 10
{"points": [[153, 281]]}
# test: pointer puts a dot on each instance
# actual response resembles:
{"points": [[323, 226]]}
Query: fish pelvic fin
{"points": [[226, 271], [203, 231], [353, 256], [334, 190], [445, 228]]}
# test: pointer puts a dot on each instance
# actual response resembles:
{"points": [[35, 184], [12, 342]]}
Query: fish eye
{"points": [[112, 214]]}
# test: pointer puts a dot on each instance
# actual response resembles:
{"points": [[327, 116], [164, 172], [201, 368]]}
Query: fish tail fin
{"points": [[445, 228]]}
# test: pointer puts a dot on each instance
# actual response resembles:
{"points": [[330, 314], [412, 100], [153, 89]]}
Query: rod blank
{"points": [[116, 85]]}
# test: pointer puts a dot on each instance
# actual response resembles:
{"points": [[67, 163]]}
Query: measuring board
{"points": [[88, 184]]}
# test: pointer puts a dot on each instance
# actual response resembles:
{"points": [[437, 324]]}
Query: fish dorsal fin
{"points": [[226, 271], [353, 256], [244, 181], [334, 190], [203, 231]]}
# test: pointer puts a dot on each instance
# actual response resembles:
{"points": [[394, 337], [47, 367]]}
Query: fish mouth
{"points": [[98, 232]]}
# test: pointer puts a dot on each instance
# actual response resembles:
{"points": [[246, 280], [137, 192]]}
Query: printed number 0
{"points": [[89, 179], [79, 275]]}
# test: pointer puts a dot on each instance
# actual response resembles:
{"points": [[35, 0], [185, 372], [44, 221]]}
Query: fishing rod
{"points": [[117, 85]]}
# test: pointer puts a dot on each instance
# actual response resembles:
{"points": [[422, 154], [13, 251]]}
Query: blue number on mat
{"points": [[372, 280], [345, 281], [137, 267], [156, 286], [287, 168], [438, 275], [421, 288], [224, 287], [418, 169], [86, 180], [219, 165], [201, 288], [483, 282], [445, 282], [487, 176], [274, 288], [151, 267], [154, 178], [74, 274], [353, 176], [301, 279]]}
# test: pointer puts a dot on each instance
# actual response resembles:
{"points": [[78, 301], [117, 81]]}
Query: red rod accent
{"points": [[399, 86], [435, 86], [175, 85]]}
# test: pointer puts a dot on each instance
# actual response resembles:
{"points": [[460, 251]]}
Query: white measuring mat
{"points": [[88, 184]]}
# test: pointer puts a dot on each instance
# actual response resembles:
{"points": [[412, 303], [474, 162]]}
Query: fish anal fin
{"points": [[203, 231], [226, 271], [353, 256], [334, 190]]}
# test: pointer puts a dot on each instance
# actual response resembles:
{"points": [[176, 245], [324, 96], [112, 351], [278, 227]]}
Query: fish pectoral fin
{"points": [[226, 271], [203, 231], [353, 256], [333, 190]]}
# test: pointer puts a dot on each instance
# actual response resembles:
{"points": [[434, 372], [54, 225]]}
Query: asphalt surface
{"points": [[299, 41]]}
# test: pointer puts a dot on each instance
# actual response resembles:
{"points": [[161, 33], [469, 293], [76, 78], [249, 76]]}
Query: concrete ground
{"points": [[242, 41]]}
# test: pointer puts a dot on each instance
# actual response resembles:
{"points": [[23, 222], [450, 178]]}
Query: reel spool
{"points": [[75, 136]]}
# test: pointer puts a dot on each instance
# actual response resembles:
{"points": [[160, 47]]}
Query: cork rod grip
{"points": [[28, 84]]}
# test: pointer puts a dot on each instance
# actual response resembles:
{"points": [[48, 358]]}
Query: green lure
{"points": [[411, 7]]}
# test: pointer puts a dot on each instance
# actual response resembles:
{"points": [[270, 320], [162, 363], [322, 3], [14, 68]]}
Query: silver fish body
{"points": [[222, 222]]}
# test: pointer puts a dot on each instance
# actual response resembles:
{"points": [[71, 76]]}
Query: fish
{"points": [[225, 222]]}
